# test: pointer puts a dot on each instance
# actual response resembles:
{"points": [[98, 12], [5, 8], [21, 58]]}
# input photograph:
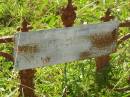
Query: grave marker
{"points": [[55, 46]]}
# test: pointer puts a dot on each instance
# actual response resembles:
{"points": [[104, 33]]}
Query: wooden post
{"points": [[26, 76], [68, 17], [103, 61]]}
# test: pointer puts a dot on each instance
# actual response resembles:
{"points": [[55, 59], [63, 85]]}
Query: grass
{"points": [[79, 77]]}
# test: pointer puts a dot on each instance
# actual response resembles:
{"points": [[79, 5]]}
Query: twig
{"points": [[124, 38], [6, 39], [124, 89], [2, 2], [125, 24], [7, 56]]}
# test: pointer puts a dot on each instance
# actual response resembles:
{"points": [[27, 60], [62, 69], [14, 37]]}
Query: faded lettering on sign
{"points": [[56, 46], [28, 49]]}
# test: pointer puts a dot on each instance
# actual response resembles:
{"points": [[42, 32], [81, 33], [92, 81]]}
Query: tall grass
{"points": [[77, 78]]}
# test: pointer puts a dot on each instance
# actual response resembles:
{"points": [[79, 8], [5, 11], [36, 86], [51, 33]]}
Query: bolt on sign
{"points": [[61, 45]]}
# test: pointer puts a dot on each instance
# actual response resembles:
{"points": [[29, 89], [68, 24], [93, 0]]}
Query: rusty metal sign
{"points": [[55, 46]]}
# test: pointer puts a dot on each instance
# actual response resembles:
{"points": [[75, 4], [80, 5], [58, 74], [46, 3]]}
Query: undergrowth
{"points": [[76, 79]]}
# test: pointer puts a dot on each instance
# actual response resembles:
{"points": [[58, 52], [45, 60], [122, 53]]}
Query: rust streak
{"points": [[103, 61], [100, 41], [84, 55]]}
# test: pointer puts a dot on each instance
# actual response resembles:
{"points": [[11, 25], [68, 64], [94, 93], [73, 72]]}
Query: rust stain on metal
{"points": [[84, 55], [100, 41], [27, 86], [46, 60], [27, 49], [103, 61], [68, 14]]}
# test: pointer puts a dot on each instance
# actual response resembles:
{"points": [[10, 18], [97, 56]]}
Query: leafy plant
{"points": [[79, 78]]}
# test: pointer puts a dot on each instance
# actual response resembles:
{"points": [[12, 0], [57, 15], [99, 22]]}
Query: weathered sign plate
{"points": [[55, 46]]}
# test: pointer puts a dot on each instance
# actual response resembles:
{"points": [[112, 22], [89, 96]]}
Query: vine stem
{"points": [[124, 38]]}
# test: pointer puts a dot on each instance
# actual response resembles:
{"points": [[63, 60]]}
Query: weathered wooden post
{"points": [[26, 76], [68, 17]]}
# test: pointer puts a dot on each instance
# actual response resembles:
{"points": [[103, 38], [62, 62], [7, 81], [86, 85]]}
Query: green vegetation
{"points": [[79, 78]]}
